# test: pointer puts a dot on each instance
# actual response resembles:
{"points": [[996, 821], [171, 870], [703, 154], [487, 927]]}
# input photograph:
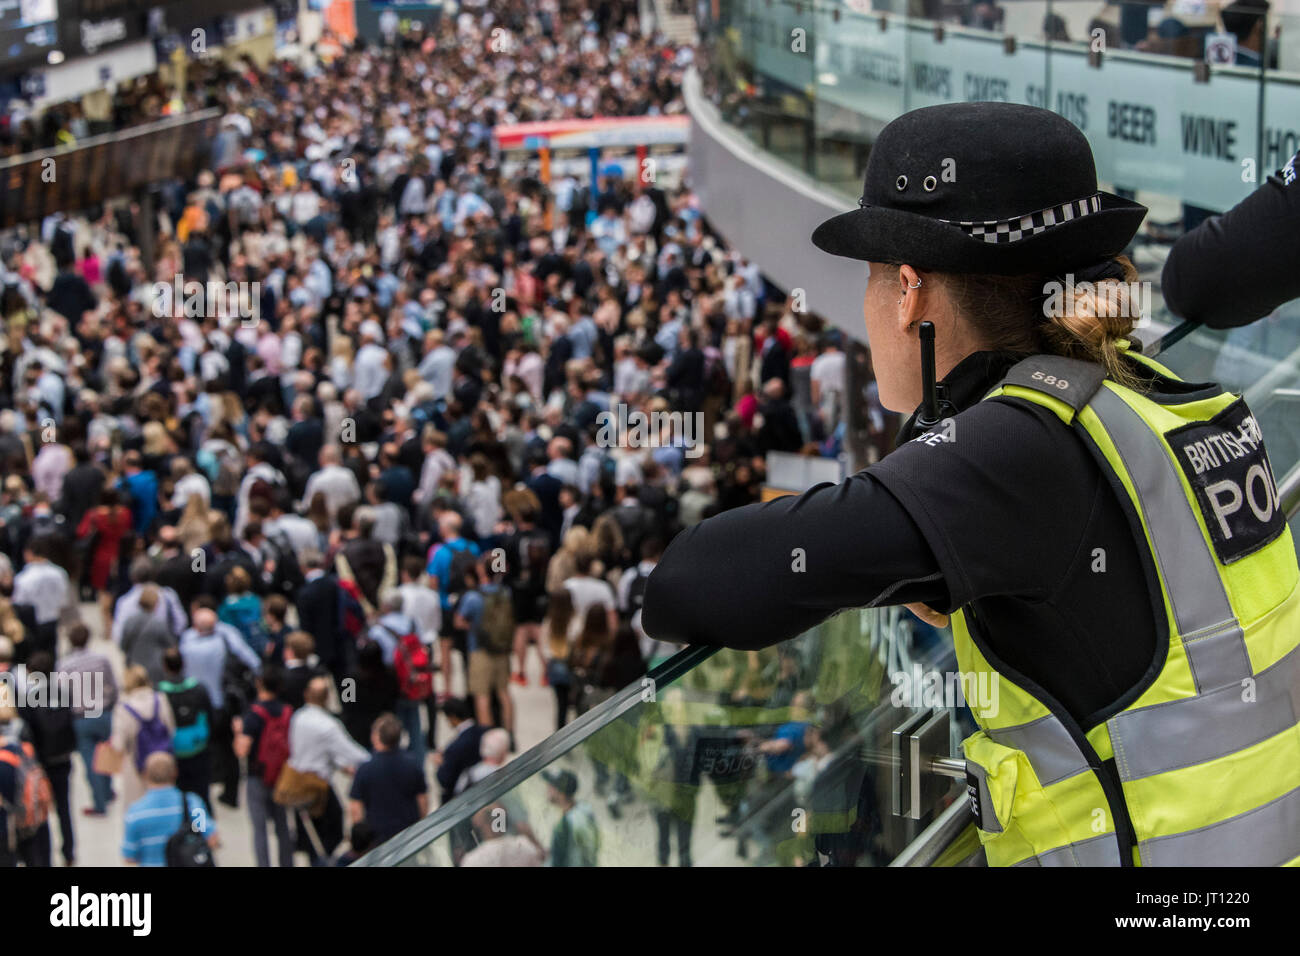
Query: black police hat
{"points": [[995, 188]]}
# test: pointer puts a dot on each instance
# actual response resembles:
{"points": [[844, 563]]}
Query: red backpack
{"points": [[33, 796], [273, 745], [414, 667]]}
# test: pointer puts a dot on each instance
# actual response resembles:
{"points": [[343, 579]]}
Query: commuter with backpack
{"points": [[486, 612], [142, 725], [409, 657], [25, 798], [54, 739], [167, 826], [262, 736], [448, 561], [217, 655], [192, 711]]}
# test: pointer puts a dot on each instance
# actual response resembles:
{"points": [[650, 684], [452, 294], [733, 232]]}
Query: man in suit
{"points": [[303, 442], [547, 489], [462, 750], [176, 567], [318, 615], [685, 375], [81, 486], [81, 489], [780, 429]]}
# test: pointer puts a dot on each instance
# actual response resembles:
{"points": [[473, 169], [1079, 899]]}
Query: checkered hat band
{"points": [[1011, 230]]}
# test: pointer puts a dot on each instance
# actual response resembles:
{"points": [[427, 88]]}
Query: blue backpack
{"points": [[189, 712], [191, 740]]}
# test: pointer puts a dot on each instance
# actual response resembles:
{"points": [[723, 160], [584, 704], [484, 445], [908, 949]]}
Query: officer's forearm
{"points": [[764, 573]]}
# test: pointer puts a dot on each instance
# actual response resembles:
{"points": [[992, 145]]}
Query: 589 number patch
{"points": [[1052, 380]]}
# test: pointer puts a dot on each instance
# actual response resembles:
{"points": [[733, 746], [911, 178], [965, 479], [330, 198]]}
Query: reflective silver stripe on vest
{"points": [[1216, 648], [1099, 851], [986, 818], [1194, 730], [1266, 836], [1052, 751]]}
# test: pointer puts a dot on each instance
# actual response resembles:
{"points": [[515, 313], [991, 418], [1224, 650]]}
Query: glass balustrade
{"points": [[781, 757]]}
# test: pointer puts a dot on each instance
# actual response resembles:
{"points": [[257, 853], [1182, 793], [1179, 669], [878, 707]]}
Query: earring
{"points": [[917, 286]]}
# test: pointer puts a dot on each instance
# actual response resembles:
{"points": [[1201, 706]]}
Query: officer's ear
{"points": [[910, 290]]}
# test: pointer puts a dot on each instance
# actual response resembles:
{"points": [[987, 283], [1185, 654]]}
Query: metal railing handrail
{"points": [[1288, 492], [1171, 338], [937, 837]]}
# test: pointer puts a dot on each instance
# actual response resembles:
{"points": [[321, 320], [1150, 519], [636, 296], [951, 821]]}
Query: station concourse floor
{"points": [[99, 839]]}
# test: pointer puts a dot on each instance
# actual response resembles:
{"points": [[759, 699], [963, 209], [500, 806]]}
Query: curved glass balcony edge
{"points": [[795, 754]]}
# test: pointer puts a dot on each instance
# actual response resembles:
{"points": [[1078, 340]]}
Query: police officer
{"points": [[1106, 537]]}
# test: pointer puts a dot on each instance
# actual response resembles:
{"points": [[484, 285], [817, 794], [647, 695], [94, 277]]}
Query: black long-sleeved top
{"points": [[1007, 517], [1240, 266]]}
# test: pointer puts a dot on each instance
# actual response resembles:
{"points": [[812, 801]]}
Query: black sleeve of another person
{"points": [[1240, 266]]}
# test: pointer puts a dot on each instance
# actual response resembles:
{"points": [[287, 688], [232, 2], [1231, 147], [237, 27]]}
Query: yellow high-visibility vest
{"points": [[1207, 750]]}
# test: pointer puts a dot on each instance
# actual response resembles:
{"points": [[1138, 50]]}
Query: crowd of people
{"points": [[369, 494]]}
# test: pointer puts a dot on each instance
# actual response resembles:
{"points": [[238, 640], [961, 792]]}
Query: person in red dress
{"points": [[110, 522]]}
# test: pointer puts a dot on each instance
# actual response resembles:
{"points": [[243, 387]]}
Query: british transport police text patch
{"points": [[1225, 463]]}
